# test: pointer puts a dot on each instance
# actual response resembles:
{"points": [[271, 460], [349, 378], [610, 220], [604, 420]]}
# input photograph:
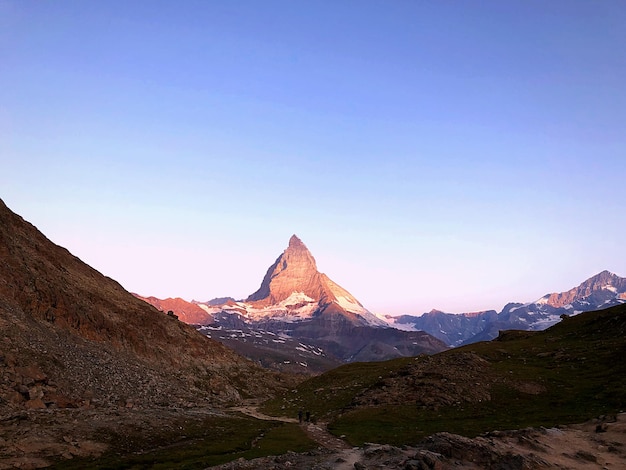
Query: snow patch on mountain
{"points": [[373, 320], [296, 298], [394, 323]]}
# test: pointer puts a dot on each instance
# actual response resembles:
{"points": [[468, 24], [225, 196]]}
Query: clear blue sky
{"points": [[443, 154]]}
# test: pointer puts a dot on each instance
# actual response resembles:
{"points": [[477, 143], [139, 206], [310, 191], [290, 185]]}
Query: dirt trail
{"points": [[599, 444], [318, 431], [251, 408]]}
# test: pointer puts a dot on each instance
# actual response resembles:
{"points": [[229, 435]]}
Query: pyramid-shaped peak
{"points": [[294, 271], [293, 282], [295, 242]]}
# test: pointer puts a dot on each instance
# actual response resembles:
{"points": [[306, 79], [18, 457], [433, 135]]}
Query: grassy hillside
{"points": [[194, 444], [568, 373]]}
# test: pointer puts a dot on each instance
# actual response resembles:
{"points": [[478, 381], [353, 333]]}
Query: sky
{"points": [[431, 154]]}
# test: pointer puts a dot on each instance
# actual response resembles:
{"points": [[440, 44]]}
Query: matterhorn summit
{"points": [[294, 285], [301, 321], [294, 271]]}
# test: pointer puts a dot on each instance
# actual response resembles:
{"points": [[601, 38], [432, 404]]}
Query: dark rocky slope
{"points": [[70, 336]]}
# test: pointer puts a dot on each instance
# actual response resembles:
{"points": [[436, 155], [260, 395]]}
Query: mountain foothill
{"points": [[92, 376]]}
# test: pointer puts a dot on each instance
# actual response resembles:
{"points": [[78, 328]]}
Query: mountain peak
{"points": [[603, 281], [295, 242], [603, 276], [294, 278], [294, 270]]}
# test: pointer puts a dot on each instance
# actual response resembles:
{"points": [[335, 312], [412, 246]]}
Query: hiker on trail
{"points": [[308, 416], [300, 416]]}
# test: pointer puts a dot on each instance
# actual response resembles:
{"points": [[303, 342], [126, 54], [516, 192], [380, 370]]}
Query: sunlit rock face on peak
{"points": [[293, 280], [294, 271]]}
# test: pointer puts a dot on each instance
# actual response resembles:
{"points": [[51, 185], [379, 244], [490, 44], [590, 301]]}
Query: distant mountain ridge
{"points": [[296, 300], [601, 291], [188, 312]]}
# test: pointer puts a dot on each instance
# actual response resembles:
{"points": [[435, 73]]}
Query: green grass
{"points": [[199, 445], [332, 391], [578, 364], [408, 424]]}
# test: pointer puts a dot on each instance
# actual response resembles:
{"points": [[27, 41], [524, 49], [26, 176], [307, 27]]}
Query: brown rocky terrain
{"points": [[76, 336], [32, 439], [351, 342], [73, 339]]}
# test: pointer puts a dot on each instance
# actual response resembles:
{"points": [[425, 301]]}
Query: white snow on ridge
{"points": [[611, 288], [283, 312], [393, 322], [298, 306], [296, 298], [350, 304], [521, 306], [382, 317], [209, 310], [372, 319], [543, 323]]}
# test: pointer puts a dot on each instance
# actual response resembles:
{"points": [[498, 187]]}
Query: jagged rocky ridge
{"points": [[598, 292]]}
